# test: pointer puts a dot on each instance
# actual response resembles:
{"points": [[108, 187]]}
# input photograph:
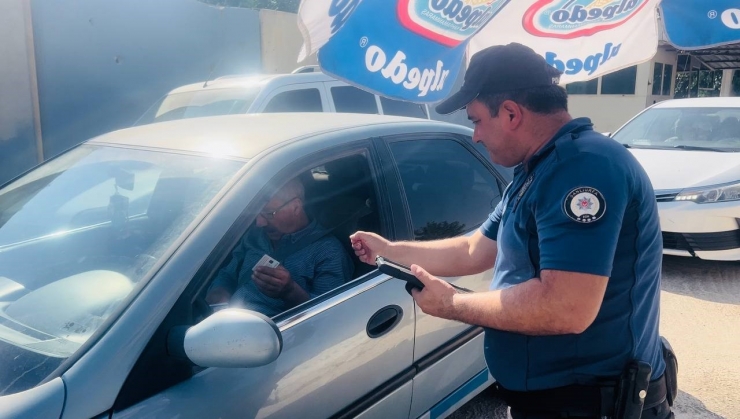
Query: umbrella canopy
{"points": [[413, 50]]}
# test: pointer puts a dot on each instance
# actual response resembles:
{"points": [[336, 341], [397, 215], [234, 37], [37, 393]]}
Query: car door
{"points": [[346, 353], [449, 190]]}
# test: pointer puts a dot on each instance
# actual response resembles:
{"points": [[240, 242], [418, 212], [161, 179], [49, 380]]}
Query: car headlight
{"points": [[709, 194]]}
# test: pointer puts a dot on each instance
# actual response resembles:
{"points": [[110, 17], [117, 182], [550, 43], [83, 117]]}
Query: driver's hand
{"points": [[273, 282], [218, 295]]}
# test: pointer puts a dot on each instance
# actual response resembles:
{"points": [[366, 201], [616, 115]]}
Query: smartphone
{"points": [[399, 271]]}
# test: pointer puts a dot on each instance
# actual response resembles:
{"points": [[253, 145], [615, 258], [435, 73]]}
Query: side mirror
{"points": [[230, 338]]}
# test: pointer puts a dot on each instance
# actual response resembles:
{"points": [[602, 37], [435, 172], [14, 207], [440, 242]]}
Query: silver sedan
{"points": [[107, 252]]}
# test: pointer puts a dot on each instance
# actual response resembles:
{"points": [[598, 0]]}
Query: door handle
{"points": [[384, 320]]}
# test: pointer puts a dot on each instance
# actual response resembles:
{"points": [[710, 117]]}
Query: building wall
{"points": [[102, 64], [609, 112], [281, 41], [662, 57], [18, 148]]}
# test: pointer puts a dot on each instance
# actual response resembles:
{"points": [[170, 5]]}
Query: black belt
{"points": [[578, 400]]}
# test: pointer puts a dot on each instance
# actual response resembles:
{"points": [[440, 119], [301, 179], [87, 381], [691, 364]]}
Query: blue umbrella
{"points": [[414, 49]]}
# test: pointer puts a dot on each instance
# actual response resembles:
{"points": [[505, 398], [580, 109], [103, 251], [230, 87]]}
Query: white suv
{"points": [[305, 90]]}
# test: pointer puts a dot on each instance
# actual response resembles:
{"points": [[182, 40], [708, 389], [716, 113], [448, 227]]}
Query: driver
{"points": [[692, 129], [312, 261]]}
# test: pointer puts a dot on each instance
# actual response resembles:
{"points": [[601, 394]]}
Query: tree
{"points": [[281, 5]]}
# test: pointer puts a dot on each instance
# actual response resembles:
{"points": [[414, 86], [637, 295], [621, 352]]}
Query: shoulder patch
{"points": [[584, 205]]}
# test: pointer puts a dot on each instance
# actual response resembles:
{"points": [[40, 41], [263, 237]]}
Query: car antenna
{"points": [[210, 75]]}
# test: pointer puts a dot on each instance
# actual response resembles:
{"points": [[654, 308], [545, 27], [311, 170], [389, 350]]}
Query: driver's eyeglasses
{"points": [[271, 214]]}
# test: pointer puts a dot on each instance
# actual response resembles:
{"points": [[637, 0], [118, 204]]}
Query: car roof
{"points": [[700, 102], [250, 80], [246, 135]]}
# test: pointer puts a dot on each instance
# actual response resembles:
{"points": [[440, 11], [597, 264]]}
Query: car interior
{"points": [[340, 195], [695, 127]]}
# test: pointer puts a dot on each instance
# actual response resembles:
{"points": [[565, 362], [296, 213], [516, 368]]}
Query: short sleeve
{"points": [[579, 212], [491, 225]]}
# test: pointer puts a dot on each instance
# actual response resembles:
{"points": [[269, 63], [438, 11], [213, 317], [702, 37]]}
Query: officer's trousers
{"points": [[662, 411]]}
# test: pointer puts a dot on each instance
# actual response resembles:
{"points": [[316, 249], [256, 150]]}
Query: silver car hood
{"points": [[56, 319]]}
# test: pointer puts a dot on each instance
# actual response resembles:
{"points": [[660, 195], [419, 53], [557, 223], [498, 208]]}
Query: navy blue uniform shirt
{"points": [[581, 204]]}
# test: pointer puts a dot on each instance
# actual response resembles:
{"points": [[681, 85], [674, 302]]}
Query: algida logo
{"points": [[447, 22], [566, 19]]}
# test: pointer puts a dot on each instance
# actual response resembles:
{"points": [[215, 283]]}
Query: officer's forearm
{"points": [[457, 256], [535, 307]]}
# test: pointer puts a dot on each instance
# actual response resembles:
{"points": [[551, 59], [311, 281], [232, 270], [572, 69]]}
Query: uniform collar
{"points": [[573, 127]]}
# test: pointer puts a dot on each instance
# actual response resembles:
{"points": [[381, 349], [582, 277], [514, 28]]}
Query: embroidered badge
{"points": [[584, 205]]}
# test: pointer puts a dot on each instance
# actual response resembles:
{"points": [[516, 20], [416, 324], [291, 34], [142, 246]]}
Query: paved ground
{"points": [[700, 316]]}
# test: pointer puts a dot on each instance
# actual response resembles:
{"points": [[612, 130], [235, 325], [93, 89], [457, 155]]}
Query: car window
{"points": [[689, 127], [337, 198], [400, 108], [78, 235], [448, 189], [350, 99], [301, 100], [200, 103]]}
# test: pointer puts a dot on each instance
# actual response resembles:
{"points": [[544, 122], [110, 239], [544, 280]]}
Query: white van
{"points": [[305, 90]]}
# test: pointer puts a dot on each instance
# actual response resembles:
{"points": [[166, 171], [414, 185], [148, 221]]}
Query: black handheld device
{"points": [[403, 273], [399, 271]]}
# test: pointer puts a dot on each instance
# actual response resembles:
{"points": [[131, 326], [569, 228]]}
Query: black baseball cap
{"points": [[498, 69]]}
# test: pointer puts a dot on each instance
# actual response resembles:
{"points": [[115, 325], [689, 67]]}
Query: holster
{"points": [[671, 371], [629, 398]]}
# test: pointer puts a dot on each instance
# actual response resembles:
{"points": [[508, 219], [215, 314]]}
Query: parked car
{"points": [[107, 250], [690, 148], [305, 90]]}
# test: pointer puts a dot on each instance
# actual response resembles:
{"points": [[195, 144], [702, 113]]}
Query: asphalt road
{"points": [[700, 316]]}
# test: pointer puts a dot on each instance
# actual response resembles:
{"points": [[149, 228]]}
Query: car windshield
{"points": [[78, 235], [712, 129], [210, 102]]}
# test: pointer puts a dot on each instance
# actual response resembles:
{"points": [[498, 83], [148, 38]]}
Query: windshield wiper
{"points": [[626, 145], [700, 148]]}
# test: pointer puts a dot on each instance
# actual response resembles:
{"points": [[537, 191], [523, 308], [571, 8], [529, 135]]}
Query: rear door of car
{"points": [[449, 190]]}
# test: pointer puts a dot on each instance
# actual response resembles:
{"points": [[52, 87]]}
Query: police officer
{"points": [[575, 244]]}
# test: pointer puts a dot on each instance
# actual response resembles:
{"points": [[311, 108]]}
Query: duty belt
{"points": [[578, 400]]}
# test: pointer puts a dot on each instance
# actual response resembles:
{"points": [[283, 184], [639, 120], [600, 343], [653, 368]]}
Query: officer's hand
{"points": [[368, 246], [273, 282], [437, 297]]}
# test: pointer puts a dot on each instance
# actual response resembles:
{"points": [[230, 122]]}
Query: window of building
{"points": [[667, 79], [589, 87], [657, 79], [621, 82]]}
